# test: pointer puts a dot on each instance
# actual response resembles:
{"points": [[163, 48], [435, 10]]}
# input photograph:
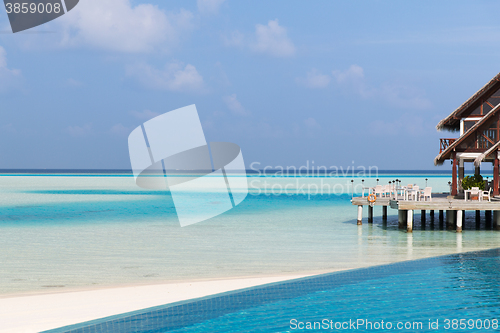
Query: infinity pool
{"points": [[444, 294]]}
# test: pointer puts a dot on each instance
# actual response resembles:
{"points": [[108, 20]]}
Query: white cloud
{"points": [[235, 39], [354, 73], [144, 115], [407, 124], [353, 79], [209, 6], [9, 128], [74, 83], [79, 131], [404, 97], [311, 123], [271, 39], [234, 105], [117, 25], [119, 129], [174, 77], [400, 95], [314, 79], [9, 78], [312, 127]]}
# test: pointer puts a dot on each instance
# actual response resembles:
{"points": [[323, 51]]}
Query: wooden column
{"points": [[459, 221], [496, 220], [402, 215], [409, 222], [454, 175], [422, 219], [461, 174], [495, 177], [370, 214], [360, 214], [451, 219], [384, 213]]}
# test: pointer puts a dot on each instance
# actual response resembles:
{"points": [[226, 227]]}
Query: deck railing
{"points": [[445, 143]]}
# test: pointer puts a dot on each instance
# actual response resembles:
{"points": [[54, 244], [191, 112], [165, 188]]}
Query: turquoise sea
{"points": [[73, 231]]}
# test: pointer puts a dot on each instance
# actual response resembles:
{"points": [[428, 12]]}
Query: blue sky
{"points": [[289, 81]]}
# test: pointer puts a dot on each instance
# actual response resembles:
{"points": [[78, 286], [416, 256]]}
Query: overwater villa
{"points": [[478, 122]]}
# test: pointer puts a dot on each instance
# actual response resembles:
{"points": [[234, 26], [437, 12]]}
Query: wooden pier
{"points": [[454, 207]]}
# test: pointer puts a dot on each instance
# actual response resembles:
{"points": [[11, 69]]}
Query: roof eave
{"points": [[471, 100]]}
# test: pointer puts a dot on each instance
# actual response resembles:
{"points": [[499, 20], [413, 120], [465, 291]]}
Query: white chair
{"points": [[426, 193], [486, 194], [413, 193], [387, 190], [378, 190]]}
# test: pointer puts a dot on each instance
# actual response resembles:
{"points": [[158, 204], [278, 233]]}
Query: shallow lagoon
{"points": [[67, 232]]}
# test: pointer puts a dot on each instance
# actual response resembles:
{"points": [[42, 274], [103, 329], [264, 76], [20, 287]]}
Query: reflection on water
{"points": [[80, 232]]}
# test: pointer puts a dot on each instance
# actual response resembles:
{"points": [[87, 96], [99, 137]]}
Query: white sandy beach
{"points": [[35, 313]]}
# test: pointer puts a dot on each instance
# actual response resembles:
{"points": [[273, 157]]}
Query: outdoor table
{"points": [[408, 191], [402, 189], [470, 192], [365, 188]]}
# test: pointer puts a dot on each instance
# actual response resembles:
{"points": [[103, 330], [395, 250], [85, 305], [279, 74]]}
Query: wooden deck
{"points": [[454, 207], [440, 201]]}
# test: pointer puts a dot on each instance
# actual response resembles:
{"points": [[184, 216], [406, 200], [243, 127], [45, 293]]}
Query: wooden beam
{"points": [[454, 173], [495, 176]]}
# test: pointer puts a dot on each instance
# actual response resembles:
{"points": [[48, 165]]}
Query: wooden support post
{"points": [[402, 215], [487, 217], [459, 221], [451, 218], [454, 176], [495, 177], [360, 214], [370, 214], [409, 222], [422, 216], [496, 220], [384, 213], [441, 219], [461, 174], [431, 214], [478, 219]]}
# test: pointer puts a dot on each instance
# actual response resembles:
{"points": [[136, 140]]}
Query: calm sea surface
{"points": [[66, 232]]}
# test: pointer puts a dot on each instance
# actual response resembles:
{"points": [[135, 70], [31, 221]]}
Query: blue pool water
{"points": [[438, 291]]}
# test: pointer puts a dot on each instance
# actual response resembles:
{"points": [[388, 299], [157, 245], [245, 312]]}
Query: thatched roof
{"points": [[480, 158], [452, 122], [442, 156]]}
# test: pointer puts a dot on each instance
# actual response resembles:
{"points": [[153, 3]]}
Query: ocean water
{"points": [[79, 231]]}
